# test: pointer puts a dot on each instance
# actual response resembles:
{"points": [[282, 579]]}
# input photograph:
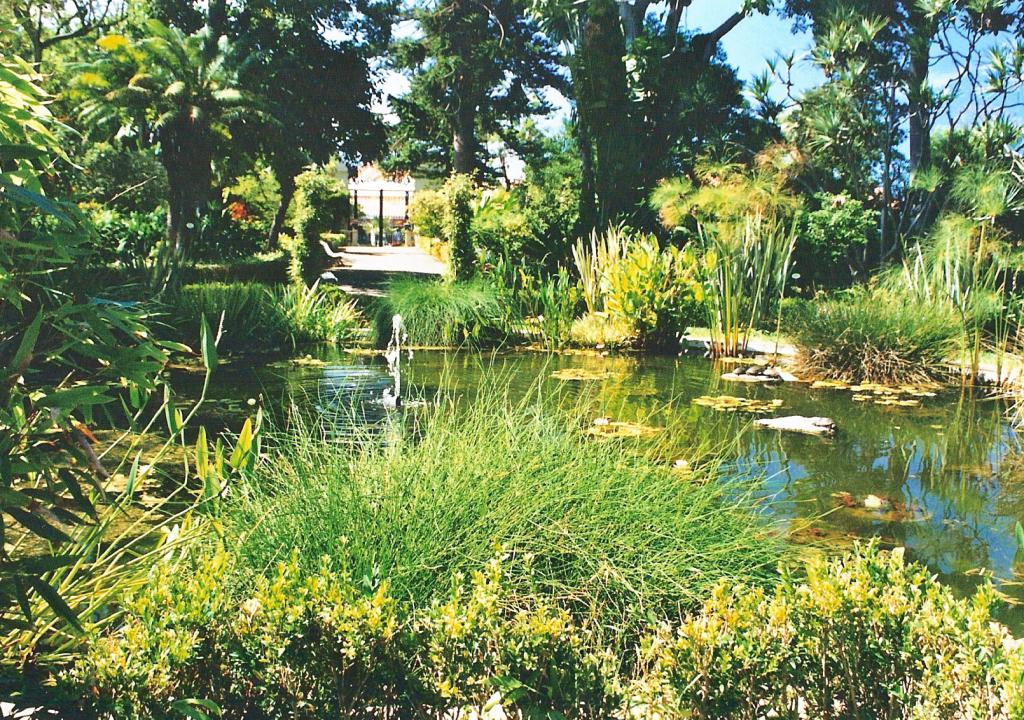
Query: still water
{"points": [[945, 478]]}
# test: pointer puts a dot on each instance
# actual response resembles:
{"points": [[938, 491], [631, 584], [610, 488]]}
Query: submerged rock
{"points": [[801, 424]]}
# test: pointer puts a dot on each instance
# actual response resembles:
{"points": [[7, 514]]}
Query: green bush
{"points": [[609, 532], [876, 335], [859, 637], [126, 238], [862, 637], [456, 222], [654, 290], [318, 645], [258, 317], [426, 210], [829, 238], [321, 205], [130, 181], [440, 313]]}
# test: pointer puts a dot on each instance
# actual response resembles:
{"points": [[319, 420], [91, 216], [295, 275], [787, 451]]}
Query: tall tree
{"points": [[180, 92], [943, 54], [633, 71], [477, 68], [311, 61], [45, 23]]}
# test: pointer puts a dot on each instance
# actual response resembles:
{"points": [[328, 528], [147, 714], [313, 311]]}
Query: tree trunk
{"points": [[187, 157], [287, 183], [603, 98], [464, 144], [919, 116]]}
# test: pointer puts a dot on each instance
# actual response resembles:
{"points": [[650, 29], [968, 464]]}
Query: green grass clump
{"points": [[440, 312], [603, 525], [260, 317], [601, 329], [251, 318], [871, 334]]}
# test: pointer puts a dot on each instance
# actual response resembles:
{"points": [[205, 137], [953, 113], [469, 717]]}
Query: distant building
{"points": [[383, 200]]}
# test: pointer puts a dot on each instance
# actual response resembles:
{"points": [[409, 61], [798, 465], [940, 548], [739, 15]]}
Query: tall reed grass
{"points": [[608, 528], [744, 268], [444, 313], [252, 316], [874, 334]]}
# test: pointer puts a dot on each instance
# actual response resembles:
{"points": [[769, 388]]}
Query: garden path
{"points": [[362, 270]]}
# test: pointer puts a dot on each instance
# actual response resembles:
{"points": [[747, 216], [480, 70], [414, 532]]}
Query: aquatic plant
{"points": [[440, 313], [321, 313], [276, 315], [871, 334], [744, 268], [602, 330], [609, 528], [637, 284]]}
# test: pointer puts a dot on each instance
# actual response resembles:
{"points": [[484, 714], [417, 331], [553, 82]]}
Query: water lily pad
{"points": [[829, 385], [605, 428], [730, 403], [580, 374]]}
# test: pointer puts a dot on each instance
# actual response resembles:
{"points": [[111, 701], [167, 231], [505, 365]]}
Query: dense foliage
{"points": [[868, 636]]}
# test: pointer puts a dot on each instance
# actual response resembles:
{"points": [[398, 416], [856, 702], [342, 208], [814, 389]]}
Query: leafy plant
{"points": [[456, 225], [65, 361], [859, 637], [321, 205]]}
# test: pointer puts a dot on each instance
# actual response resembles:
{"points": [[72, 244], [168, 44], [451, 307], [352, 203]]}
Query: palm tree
{"points": [[182, 93]]}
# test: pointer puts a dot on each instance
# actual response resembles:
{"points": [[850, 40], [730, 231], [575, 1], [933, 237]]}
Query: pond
{"points": [[944, 478]]}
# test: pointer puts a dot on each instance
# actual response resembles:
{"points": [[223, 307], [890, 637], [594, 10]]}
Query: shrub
{"points": [[456, 225], [439, 312], [861, 637], [502, 226], [317, 645], [875, 335], [829, 237], [655, 291], [225, 234], [321, 205], [273, 315], [639, 285], [426, 210], [126, 238], [130, 181], [610, 533]]}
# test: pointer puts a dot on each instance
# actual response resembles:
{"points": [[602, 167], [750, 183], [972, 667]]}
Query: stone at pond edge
{"points": [[801, 424]]}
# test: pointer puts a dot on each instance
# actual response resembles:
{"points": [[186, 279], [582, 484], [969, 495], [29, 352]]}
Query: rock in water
{"points": [[801, 424]]}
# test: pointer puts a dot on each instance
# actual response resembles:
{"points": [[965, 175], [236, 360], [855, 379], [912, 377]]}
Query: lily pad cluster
{"points": [[580, 374], [604, 428], [907, 395], [730, 403]]}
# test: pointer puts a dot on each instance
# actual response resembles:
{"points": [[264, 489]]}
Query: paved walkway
{"points": [[362, 270]]}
